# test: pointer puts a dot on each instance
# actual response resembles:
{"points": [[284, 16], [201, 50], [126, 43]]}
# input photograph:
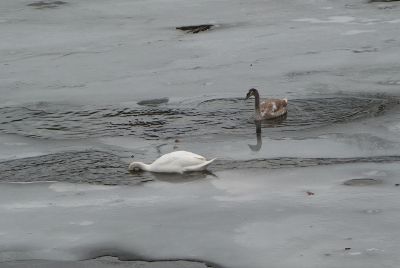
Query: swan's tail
{"points": [[199, 167]]}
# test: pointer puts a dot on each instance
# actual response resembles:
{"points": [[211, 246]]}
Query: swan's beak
{"points": [[248, 95]]}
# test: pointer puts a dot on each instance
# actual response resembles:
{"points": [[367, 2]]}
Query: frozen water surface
{"points": [[287, 217], [88, 86]]}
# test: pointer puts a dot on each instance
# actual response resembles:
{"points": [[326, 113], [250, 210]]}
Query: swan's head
{"points": [[252, 92], [135, 166]]}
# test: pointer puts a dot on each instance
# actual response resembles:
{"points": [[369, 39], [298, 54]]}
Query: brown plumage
{"points": [[268, 109]]}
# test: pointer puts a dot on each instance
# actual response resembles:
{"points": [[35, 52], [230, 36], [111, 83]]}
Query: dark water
{"points": [[211, 117], [100, 167], [162, 120], [80, 167]]}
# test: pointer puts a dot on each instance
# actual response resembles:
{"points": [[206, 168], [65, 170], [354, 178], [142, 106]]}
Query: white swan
{"points": [[175, 162]]}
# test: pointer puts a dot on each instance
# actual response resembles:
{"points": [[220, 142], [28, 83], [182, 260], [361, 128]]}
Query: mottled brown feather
{"points": [[271, 108]]}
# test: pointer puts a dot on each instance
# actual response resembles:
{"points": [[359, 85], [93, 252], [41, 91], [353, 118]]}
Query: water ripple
{"points": [[215, 116], [98, 167]]}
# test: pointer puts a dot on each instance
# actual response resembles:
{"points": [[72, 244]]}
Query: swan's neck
{"points": [[145, 167], [140, 165], [257, 105]]}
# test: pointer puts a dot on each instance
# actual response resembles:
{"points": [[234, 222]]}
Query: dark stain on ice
{"points": [[195, 28], [104, 255], [106, 262], [362, 182], [312, 52], [46, 4], [391, 40], [374, 1], [153, 101], [365, 50], [143, 262], [234, 116], [99, 167], [121, 255]]}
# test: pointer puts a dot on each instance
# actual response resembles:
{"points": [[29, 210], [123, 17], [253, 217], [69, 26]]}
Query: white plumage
{"points": [[175, 162]]}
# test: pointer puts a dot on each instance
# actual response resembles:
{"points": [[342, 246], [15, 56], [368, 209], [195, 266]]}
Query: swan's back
{"points": [[178, 160], [273, 108]]}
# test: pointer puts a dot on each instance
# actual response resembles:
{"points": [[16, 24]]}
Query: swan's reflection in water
{"points": [[185, 177], [266, 123], [257, 147], [172, 177]]}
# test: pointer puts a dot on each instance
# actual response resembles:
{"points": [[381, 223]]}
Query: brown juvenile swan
{"points": [[268, 109]]}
